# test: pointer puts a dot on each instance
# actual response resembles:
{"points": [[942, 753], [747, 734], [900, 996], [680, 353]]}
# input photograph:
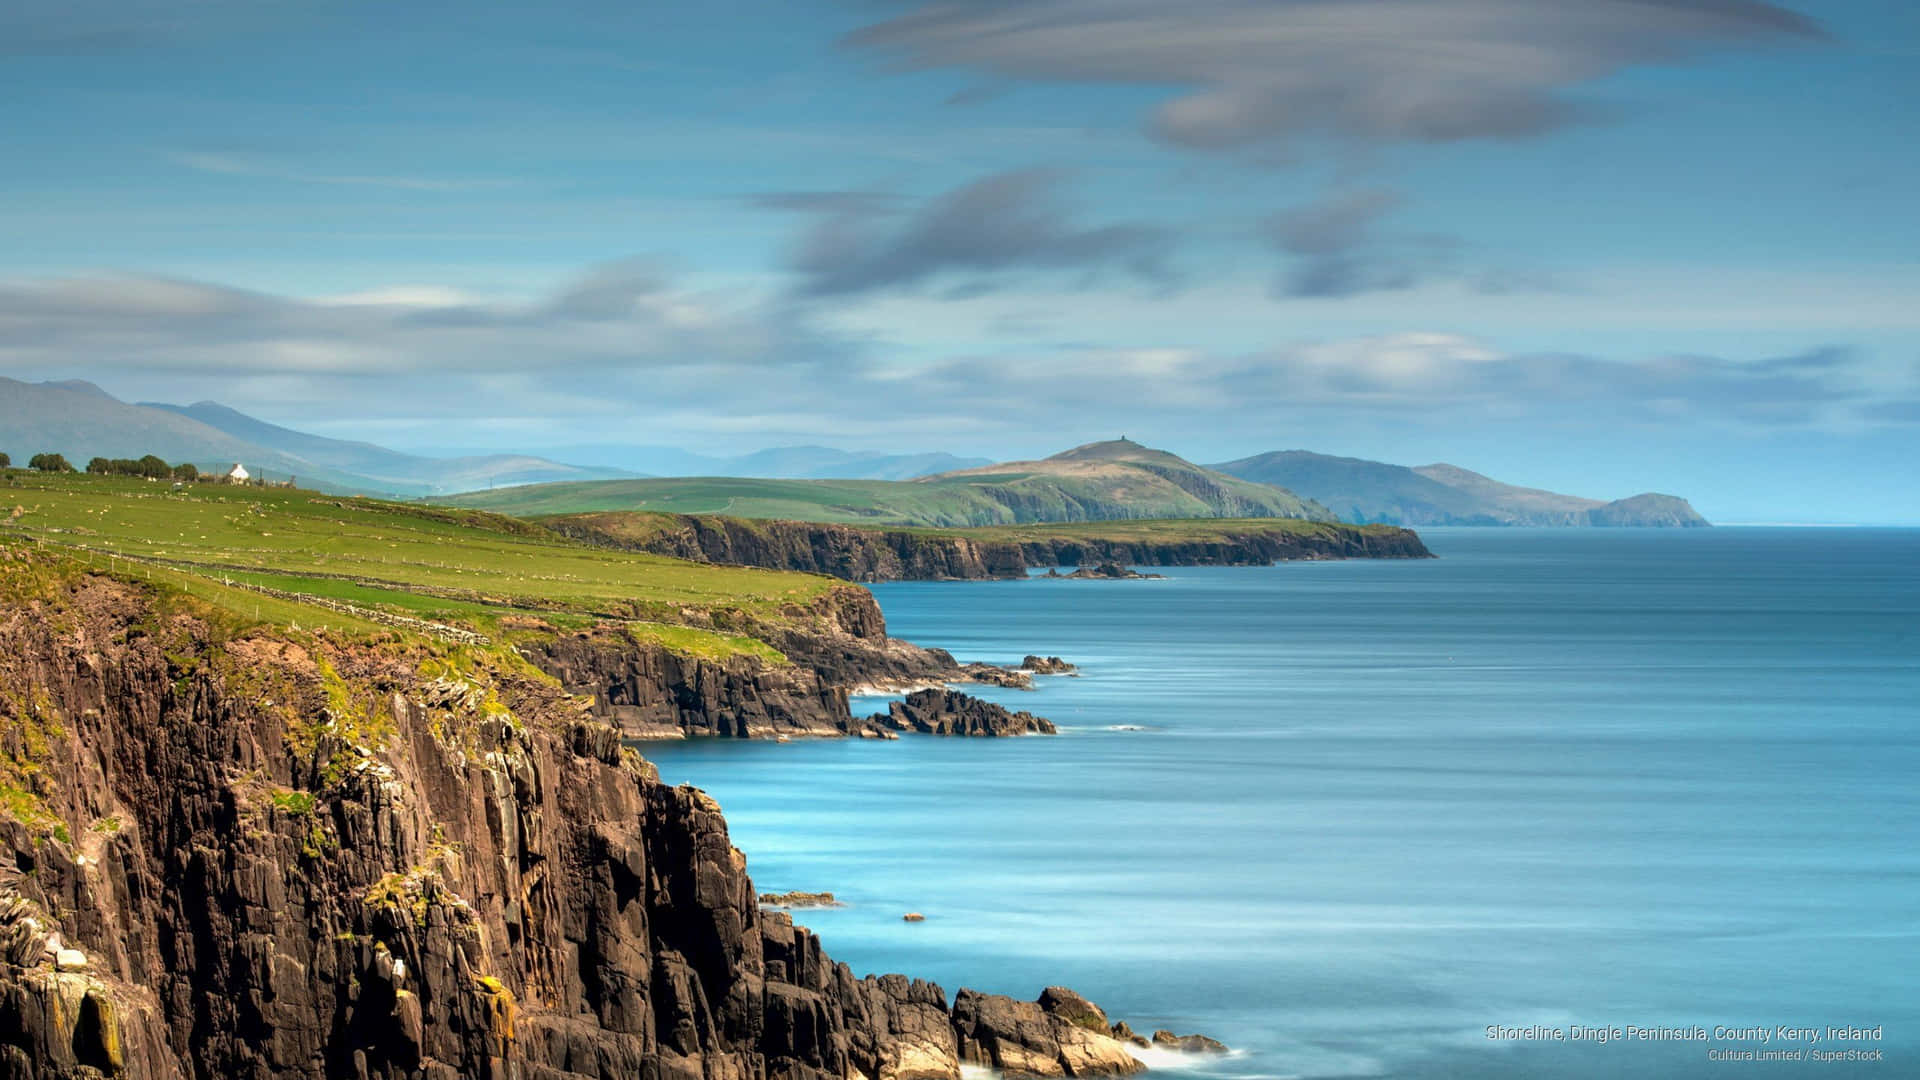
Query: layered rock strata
{"points": [[242, 852], [872, 555]]}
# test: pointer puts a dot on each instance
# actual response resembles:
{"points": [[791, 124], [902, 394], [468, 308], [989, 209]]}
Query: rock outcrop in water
{"points": [[857, 554], [1106, 571], [233, 852], [793, 900], [948, 712]]}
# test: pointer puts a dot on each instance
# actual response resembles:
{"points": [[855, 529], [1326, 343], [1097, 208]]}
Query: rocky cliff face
{"points": [[650, 691], [248, 853], [893, 555], [1252, 548], [835, 550]]}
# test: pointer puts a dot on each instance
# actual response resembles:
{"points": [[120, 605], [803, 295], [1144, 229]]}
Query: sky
{"points": [[1598, 246]]}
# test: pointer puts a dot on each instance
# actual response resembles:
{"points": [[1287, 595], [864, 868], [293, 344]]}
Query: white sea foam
{"points": [[1161, 1058]]}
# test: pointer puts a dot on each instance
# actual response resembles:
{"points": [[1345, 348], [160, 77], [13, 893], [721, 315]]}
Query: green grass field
{"points": [[852, 502], [460, 567], [964, 501]]}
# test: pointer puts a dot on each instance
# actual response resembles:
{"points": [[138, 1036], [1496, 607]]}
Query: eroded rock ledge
{"points": [[876, 554], [245, 853]]}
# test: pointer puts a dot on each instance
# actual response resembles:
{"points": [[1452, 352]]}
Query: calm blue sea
{"points": [[1346, 816]]}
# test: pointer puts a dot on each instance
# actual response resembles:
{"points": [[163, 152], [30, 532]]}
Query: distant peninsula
{"points": [[1359, 490], [1117, 480], [1003, 552]]}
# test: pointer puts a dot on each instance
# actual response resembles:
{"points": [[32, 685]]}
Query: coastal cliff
{"points": [[230, 849], [649, 690], [872, 555]]}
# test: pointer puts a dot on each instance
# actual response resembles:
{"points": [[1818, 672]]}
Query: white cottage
{"points": [[238, 474]]}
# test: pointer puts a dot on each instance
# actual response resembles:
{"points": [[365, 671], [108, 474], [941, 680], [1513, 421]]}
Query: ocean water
{"points": [[1346, 816]]}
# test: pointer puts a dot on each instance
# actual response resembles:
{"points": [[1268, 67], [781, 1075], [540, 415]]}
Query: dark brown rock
{"points": [[948, 712], [1074, 1009], [800, 900], [1103, 571], [1024, 1039], [1190, 1044], [1047, 665], [992, 675], [650, 691]]}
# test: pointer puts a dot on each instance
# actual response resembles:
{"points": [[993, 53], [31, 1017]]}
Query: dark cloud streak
{"points": [[1004, 223], [1252, 72]]}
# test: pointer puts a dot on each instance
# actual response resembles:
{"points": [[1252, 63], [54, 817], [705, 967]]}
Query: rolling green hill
{"points": [[1108, 481], [273, 551]]}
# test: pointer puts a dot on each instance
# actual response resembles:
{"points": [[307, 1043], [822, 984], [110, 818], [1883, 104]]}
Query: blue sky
{"points": [[1600, 246]]}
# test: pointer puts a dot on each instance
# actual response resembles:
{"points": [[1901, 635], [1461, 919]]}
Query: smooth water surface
{"points": [[1347, 815]]}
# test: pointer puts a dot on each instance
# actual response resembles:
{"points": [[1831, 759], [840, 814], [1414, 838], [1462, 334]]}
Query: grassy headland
{"points": [[870, 553], [287, 555]]}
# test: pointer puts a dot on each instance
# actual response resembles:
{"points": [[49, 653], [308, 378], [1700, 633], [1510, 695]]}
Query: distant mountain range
{"points": [[1102, 481], [780, 462], [1106, 481], [82, 421], [1373, 491]]}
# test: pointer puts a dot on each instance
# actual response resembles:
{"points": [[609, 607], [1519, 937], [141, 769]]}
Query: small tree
{"points": [[5, 462], [50, 463], [187, 471], [153, 466], [98, 466]]}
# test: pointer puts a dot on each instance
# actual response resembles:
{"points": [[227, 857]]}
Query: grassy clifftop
{"points": [[881, 554], [289, 556]]}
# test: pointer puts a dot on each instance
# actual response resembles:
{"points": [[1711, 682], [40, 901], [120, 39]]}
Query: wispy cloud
{"points": [[238, 165], [625, 345]]}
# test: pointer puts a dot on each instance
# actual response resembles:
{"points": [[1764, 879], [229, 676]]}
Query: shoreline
{"points": [[874, 554]]}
